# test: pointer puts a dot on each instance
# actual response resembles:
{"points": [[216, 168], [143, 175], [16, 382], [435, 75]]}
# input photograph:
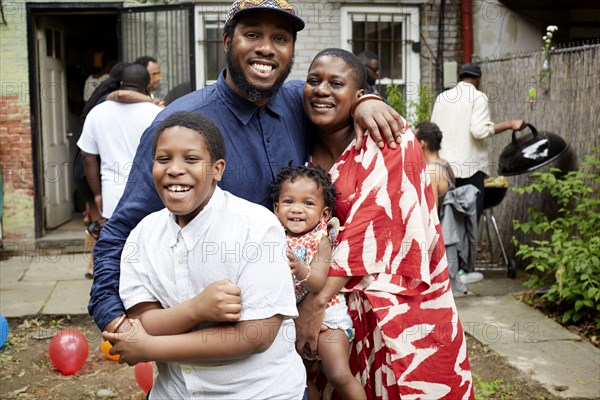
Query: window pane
{"points": [[397, 35], [372, 31], [382, 35], [385, 29], [49, 43], [397, 62], [57, 45], [358, 35], [215, 57]]}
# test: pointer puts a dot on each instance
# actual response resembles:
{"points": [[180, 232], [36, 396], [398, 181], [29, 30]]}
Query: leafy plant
{"points": [[395, 99], [485, 389], [423, 105], [492, 389], [414, 111], [566, 256]]}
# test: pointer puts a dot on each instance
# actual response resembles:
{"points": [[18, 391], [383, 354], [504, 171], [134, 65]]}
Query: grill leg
{"points": [[498, 236], [486, 221]]}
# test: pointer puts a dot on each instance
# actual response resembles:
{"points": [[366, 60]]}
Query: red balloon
{"points": [[144, 376], [68, 351]]}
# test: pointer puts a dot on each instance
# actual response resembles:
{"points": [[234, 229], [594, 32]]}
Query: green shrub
{"points": [[395, 99], [423, 106], [566, 256], [420, 109]]}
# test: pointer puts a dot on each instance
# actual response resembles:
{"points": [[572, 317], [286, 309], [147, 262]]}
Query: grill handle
{"points": [[533, 131]]}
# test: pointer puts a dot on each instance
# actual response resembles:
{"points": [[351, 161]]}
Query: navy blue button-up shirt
{"points": [[259, 142]]}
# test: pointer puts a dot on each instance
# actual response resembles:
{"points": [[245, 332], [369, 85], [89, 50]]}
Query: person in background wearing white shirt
{"points": [[463, 114], [211, 242], [113, 130]]}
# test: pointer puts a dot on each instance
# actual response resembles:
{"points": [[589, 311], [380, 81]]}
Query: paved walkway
{"points": [[51, 282], [530, 341]]}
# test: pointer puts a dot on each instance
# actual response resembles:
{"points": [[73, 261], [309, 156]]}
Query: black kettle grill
{"points": [[523, 154], [530, 152]]}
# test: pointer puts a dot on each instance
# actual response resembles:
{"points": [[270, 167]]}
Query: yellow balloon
{"points": [[105, 346]]}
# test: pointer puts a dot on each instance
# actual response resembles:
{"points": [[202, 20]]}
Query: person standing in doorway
{"points": [[94, 80]]}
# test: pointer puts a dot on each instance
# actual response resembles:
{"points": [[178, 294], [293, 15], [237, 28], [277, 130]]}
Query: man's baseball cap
{"points": [[281, 7], [470, 69]]}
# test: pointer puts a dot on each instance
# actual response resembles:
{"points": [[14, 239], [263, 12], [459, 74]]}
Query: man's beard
{"points": [[252, 92], [371, 81]]}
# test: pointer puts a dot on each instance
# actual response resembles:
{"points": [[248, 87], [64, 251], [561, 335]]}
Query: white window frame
{"points": [[202, 12], [410, 14]]}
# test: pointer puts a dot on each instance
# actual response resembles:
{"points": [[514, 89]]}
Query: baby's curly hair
{"points": [[317, 174]]}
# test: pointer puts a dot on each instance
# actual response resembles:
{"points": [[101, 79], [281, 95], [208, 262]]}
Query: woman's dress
{"points": [[409, 341]]}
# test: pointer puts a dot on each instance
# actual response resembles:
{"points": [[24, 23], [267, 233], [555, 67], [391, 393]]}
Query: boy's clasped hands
{"points": [[220, 302]]}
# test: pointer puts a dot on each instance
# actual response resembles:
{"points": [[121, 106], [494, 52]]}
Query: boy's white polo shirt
{"points": [[230, 239]]}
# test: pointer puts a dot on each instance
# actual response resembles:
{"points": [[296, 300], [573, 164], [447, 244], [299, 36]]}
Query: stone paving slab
{"points": [[498, 285], [533, 343], [574, 365], [69, 297], [13, 269], [18, 299], [61, 267], [507, 321]]}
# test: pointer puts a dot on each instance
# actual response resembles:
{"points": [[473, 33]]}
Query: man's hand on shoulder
{"points": [[378, 119]]}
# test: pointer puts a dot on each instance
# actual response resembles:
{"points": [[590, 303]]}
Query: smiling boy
{"points": [[207, 236]]}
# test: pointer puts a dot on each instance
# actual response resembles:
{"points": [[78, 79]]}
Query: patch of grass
{"points": [[492, 389], [6, 358]]}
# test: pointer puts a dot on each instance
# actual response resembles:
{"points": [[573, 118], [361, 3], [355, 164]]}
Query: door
{"points": [[56, 167]]}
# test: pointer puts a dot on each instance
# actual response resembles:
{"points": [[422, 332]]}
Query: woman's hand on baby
{"points": [[220, 301]]}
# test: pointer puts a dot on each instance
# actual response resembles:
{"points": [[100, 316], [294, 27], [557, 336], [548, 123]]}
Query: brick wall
{"points": [[452, 47], [15, 126], [15, 135], [322, 31]]}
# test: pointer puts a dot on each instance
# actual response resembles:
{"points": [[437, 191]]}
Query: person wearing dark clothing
{"points": [[371, 62]]}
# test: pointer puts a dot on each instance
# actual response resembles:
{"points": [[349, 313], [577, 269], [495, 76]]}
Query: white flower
{"points": [[547, 38]]}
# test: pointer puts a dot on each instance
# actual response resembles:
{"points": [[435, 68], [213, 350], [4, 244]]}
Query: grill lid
{"points": [[530, 151]]}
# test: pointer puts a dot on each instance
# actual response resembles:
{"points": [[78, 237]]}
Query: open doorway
{"points": [[88, 39], [66, 44]]}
